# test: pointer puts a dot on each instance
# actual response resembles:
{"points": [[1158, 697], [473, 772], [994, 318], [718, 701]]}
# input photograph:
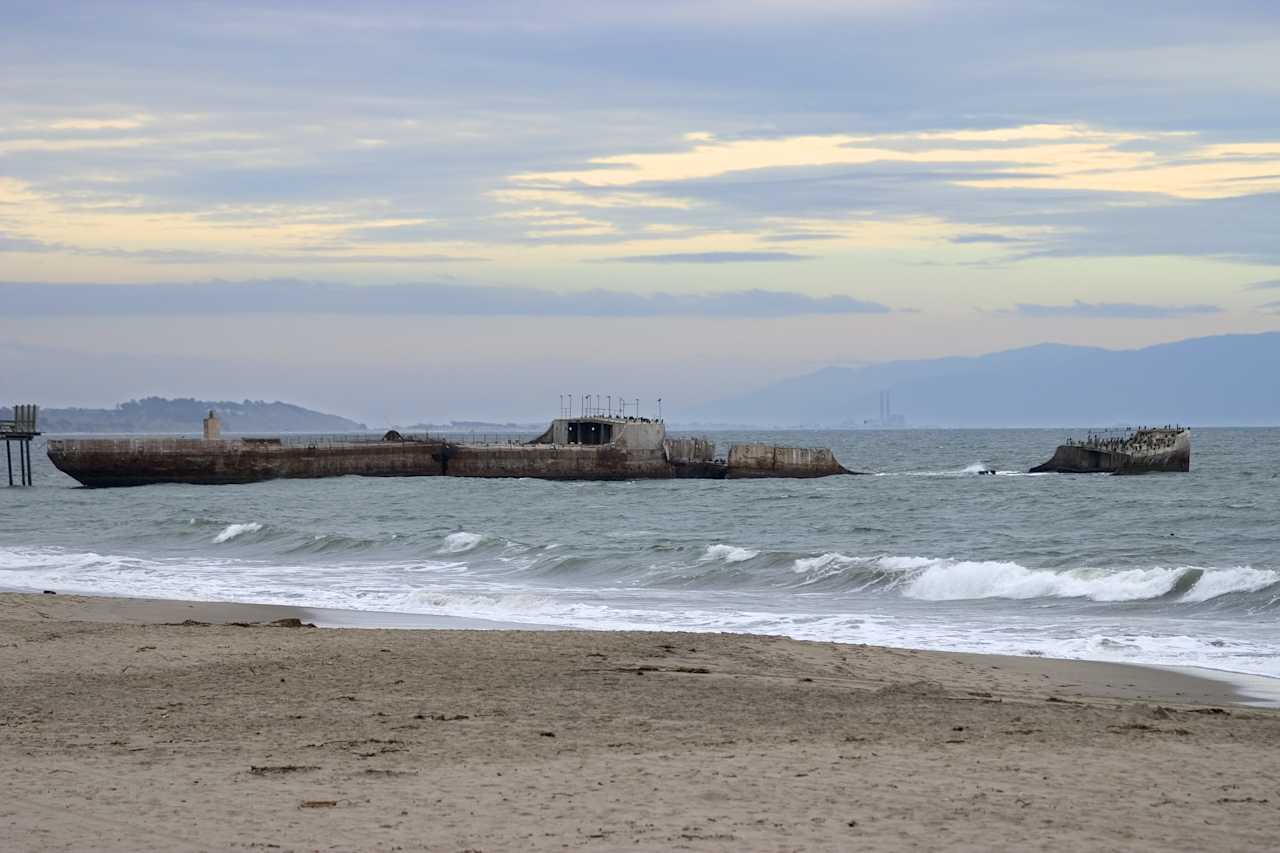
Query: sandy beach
{"points": [[145, 725]]}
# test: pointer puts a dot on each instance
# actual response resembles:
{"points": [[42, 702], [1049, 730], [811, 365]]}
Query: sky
{"points": [[459, 210]]}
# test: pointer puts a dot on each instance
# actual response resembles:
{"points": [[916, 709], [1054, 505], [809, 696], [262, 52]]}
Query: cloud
{"points": [[82, 123], [1270, 307], [289, 296], [9, 243], [190, 256], [1270, 284], [1061, 157], [181, 157], [709, 258], [801, 237], [1236, 229], [1114, 310], [985, 238], [1042, 190]]}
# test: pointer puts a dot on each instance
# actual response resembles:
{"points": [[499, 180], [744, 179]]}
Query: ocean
{"points": [[1176, 569]]}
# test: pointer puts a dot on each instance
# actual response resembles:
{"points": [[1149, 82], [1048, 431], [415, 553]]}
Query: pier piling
{"points": [[21, 430]]}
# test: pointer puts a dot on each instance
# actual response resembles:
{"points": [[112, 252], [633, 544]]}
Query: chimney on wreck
{"points": [[212, 427]]}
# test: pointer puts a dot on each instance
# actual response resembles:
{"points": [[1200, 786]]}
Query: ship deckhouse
{"points": [[595, 430]]}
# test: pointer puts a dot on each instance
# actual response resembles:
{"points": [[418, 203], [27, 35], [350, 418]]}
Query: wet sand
{"points": [[142, 725]]}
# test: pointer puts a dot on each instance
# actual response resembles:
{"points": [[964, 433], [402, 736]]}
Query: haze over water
{"points": [[1162, 569]]}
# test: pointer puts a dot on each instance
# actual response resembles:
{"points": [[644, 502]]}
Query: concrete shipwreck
{"points": [[1144, 450], [594, 447]]}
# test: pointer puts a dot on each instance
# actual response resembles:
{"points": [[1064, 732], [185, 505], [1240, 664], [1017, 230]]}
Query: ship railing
{"points": [[320, 441], [502, 438], [310, 441], [187, 443], [333, 440]]}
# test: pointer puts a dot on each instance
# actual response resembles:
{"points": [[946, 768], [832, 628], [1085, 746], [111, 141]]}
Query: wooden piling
{"points": [[22, 429]]}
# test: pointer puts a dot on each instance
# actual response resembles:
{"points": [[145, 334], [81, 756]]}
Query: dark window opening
{"points": [[585, 432]]}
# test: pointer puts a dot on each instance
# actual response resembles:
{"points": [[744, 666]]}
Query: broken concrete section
{"points": [[1143, 451], [766, 460]]}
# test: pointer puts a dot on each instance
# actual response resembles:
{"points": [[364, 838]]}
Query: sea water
{"points": [[1179, 569]]}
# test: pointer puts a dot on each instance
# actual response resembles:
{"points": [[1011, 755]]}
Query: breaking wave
{"points": [[231, 531], [934, 579], [729, 554], [1213, 583], [460, 542], [823, 596], [959, 580], [842, 578], [821, 563]]}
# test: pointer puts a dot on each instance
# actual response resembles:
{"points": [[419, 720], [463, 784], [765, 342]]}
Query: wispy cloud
{"points": [[1114, 310], [1099, 227], [903, 171], [709, 258], [801, 237], [190, 256], [984, 238], [9, 243], [1270, 284], [288, 296], [1051, 157]]}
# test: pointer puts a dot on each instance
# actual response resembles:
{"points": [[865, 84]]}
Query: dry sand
{"points": [[118, 732]]}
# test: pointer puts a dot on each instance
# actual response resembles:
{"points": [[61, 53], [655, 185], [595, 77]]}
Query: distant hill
{"points": [[160, 415], [1226, 379]]}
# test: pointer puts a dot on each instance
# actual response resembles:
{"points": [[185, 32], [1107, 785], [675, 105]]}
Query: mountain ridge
{"points": [[1215, 379]]}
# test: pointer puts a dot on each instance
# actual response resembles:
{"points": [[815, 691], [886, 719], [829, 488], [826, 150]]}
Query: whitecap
{"points": [[906, 564], [1216, 582], [231, 531], [805, 565], [950, 580], [729, 554], [456, 543]]}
